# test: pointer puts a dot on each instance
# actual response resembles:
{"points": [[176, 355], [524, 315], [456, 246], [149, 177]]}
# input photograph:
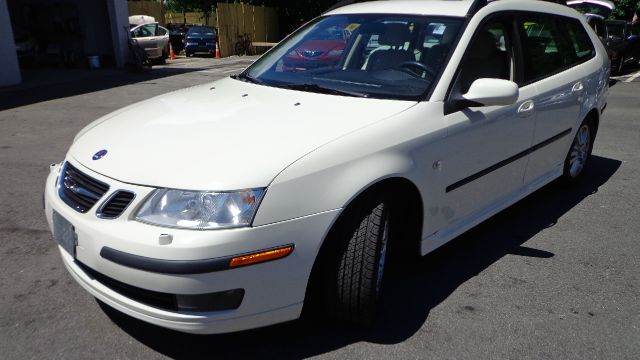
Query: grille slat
{"points": [[78, 190], [116, 204], [87, 183]]}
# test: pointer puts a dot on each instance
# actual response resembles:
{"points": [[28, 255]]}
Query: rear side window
{"points": [[582, 46], [544, 47]]}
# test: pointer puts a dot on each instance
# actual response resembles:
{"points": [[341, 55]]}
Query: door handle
{"points": [[526, 108], [577, 87]]}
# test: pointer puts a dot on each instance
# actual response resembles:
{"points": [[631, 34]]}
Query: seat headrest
{"points": [[483, 46], [395, 35]]}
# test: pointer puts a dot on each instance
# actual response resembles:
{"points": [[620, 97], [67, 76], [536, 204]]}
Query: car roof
{"points": [[449, 7], [418, 7]]}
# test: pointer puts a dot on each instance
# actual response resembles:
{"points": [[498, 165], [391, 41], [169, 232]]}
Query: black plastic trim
{"points": [[505, 162], [217, 301], [180, 267]]}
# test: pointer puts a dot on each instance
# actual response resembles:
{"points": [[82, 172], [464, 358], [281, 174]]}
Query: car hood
{"points": [[225, 135]]}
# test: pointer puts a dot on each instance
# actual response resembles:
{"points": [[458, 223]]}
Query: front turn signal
{"points": [[262, 256]]}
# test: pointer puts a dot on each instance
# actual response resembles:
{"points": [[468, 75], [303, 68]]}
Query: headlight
{"points": [[200, 210]]}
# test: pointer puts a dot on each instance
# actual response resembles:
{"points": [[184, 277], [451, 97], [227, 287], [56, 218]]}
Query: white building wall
{"points": [[119, 18]]}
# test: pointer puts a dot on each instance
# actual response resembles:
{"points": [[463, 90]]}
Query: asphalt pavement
{"points": [[555, 276]]}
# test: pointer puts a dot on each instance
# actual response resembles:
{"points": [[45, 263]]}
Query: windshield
{"points": [[200, 30], [366, 55]]}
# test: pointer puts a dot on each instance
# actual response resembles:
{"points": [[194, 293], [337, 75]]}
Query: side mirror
{"points": [[487, 92]]}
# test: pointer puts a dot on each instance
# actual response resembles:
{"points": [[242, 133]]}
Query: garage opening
{"points": [[61, 33]]}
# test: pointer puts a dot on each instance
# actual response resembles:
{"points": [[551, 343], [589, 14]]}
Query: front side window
{"points": [[145, 31], [489, 54], [543, 45], [366, 55]]}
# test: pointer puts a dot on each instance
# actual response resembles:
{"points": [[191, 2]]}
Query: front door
{"points": [[487, 146]]}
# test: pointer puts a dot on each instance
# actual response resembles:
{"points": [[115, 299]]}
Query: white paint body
{"points": [[314, 158]]}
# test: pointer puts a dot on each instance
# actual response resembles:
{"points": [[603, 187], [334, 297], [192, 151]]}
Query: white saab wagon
{"points": [[376, 128]]}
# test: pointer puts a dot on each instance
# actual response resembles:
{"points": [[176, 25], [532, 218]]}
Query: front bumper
{"points": [[273, 291], [200, 48]]}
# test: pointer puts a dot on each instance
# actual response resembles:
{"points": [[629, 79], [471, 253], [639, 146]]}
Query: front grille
{"points": [[78, 190], [116, 204], [311, 53]]}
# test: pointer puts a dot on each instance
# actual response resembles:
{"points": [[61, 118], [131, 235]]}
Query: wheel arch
{"points": [[406, 211]]}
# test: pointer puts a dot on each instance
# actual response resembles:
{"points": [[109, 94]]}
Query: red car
{"points": [[315, 53]]}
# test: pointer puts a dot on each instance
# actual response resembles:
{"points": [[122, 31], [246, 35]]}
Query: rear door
{"points": [[553, 48]]}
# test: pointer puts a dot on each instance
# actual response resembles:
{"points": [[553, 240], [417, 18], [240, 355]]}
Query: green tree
{"points": [[625, 9]]}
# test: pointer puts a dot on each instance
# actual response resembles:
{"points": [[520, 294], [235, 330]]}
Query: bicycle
{"points": [[243, 45]]}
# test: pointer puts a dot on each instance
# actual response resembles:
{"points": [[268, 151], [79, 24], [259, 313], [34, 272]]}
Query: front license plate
{"points": [[64, 234]]}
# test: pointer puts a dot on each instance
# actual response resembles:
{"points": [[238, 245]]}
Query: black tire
{"points": [[188, 54], [580, 152], [353, 275]]}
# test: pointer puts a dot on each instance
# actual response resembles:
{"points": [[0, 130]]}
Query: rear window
{"points": [[582, 46], [544, 46]]}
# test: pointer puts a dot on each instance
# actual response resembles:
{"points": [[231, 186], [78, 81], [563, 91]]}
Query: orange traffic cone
{"points": [[217, 50], [172, 55]]}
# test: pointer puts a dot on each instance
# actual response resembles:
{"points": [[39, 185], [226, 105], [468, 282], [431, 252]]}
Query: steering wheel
{"points": [[418, 65]]}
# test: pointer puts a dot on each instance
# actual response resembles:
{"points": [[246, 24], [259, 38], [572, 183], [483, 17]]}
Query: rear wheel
{"points": [[579, 152], [353, 277]]}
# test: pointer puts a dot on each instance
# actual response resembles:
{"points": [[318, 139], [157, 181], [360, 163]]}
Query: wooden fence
{"points": [[151, 8], [197, 18], [261, 23]]}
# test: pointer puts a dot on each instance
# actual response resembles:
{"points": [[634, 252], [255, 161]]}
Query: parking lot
{"points": [[555, 276]]}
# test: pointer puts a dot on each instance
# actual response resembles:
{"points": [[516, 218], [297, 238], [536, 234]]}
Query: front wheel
{"points": [[579, 152], [353, 280]]}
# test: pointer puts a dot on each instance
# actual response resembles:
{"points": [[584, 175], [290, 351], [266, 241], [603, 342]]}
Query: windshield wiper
{"points": [[246, 78], [323, 90]]}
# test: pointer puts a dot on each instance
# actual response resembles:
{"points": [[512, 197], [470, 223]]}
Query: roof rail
{"points": [[342, 3], [477, 5]]}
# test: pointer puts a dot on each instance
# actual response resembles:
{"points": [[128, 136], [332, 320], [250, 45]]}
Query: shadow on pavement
{"points": [[49, 84], [416, 289]]}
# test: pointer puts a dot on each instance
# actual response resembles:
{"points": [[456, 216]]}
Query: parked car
{"points": [[597, 24], [324, 50], [621, 48], [176, 35], [200, 39], [305, 184], [154, 39], [624, 47]]}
